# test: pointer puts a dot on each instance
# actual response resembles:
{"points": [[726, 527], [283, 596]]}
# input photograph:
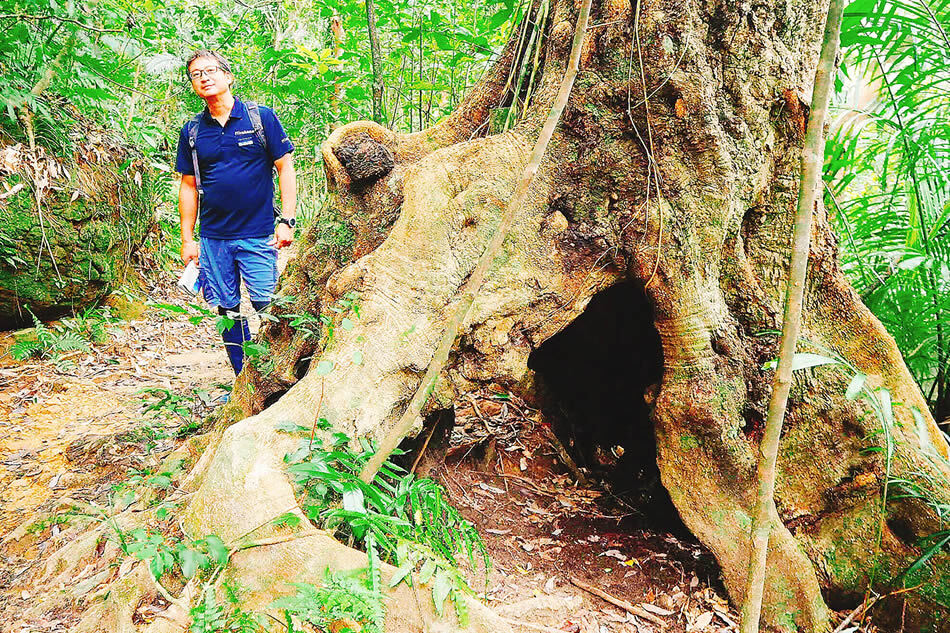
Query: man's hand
{"points": [[189, 251], [283, 236]]}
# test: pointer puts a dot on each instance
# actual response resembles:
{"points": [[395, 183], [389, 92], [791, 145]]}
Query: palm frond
{"points": [[887, 167]]}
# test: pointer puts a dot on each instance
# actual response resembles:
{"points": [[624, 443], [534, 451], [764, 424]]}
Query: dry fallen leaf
{"points": [[701, 622], [613, 553], [11, 190]]}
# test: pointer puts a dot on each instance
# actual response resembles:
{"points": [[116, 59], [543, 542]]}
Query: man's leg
{"points": [[257, 263], [235, 336], [221, 287]]}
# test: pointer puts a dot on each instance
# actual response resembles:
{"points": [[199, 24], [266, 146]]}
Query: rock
{"points": [[67, 235]]}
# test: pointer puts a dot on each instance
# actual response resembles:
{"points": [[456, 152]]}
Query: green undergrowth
{"points": [[55, 341], [397, 519]]}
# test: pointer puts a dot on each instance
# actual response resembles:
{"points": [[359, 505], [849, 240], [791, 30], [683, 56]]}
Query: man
{"points": [[233, 146]]}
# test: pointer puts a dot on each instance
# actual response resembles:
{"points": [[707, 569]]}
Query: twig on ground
{"points": [[531, 625], [866, 605], [617, 602], [564, 456], [860, 609]]}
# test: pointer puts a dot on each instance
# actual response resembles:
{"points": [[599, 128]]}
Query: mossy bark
{"points": [[67, 236], [676, 165]]}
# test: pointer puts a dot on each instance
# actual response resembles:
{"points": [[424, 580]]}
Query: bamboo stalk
{"points": [[378, 114], [812, 159], [477, 278]]}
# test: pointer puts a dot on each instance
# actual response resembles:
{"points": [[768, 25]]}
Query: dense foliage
{"points": [[122, 62], [887, 165]]}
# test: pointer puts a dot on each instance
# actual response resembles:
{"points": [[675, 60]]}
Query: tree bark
{"points": [[676, 166]]}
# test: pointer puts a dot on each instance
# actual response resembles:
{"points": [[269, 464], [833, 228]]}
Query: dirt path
{"points": [[76, 426], [51, 414], [75, 431]]}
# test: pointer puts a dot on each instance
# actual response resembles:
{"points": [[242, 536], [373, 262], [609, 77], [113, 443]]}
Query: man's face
{"points": [[208, 78]]}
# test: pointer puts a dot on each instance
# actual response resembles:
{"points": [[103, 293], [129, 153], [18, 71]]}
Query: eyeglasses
{"points": [[198, 74]]}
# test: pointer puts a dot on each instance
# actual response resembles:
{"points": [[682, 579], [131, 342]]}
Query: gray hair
{"points": [[218, 57]]}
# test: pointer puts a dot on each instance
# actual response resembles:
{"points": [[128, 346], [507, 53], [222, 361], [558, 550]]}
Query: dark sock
{"points": [[259, 305], [234, 338]]}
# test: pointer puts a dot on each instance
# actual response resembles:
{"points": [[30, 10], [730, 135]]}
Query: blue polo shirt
{"points": [[236, 172]]}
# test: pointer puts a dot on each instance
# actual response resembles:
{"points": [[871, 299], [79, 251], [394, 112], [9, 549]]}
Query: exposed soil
{"points": [[502, 468], [75, 427]]}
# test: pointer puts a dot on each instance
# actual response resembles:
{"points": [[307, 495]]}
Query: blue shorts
{"points": [[225, 262]]}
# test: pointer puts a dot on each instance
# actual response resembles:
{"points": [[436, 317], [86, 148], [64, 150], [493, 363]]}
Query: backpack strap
{"points": [[192, 126], [254, 112]]}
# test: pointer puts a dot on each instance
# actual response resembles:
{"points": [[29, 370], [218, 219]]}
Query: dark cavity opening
{"points": [[591, 379], [273, 398], [425, 451], [301, 367]]}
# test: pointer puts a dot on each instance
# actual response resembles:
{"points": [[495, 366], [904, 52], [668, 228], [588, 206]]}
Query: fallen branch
{"points": [[563, 455], [422, 450], [859, 610], [868, 603], [617, 602]]}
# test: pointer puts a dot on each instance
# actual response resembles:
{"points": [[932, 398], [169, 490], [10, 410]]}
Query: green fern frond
{"points": [[69, 342], [26, 348], [461, 607]]}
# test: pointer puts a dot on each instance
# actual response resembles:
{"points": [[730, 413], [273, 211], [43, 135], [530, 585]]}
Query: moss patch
{"points": [[72, 248]]}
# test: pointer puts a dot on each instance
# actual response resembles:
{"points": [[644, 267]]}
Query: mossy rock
{"points": [[67, 237]]}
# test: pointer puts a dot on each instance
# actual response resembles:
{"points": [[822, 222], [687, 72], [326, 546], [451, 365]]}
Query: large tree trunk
{"points": [[690, 193]]}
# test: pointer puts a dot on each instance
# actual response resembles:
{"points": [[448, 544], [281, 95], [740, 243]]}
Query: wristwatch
{"points": [[291, 222]]}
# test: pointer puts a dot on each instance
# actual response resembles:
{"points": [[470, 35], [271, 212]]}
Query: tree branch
{"points": [[37, 18], [378, 114]]}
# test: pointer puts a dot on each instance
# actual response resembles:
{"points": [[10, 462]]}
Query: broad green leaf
{"points": [[855, 386], [216, 549], [441, 587], [428, 569], [931, 551], [353, 498], [804, 360], [402, 572], [191, 560], [923, 431]]}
